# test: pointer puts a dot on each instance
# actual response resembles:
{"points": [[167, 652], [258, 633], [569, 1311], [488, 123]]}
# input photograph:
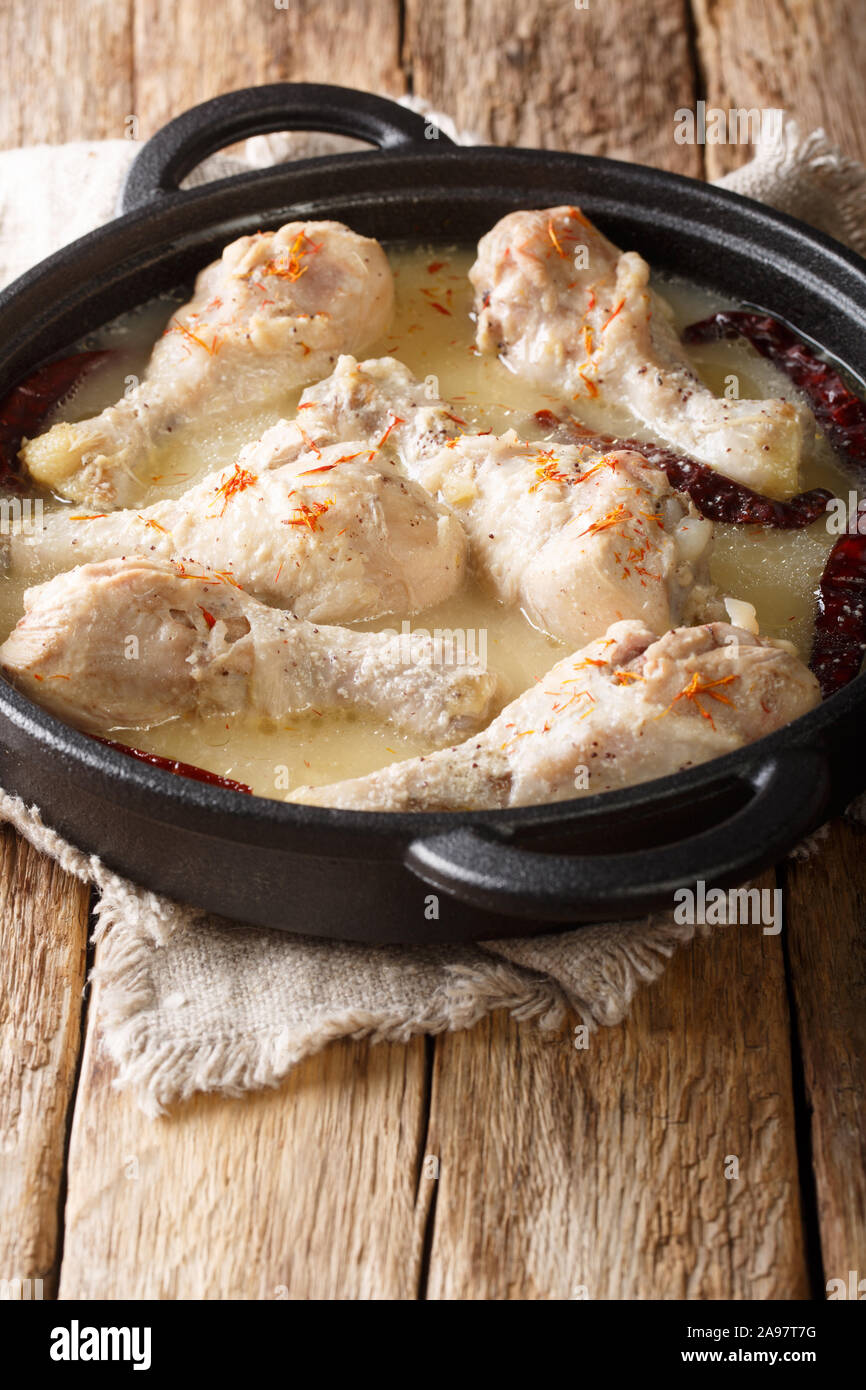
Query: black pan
{"points": [[372, 876]]}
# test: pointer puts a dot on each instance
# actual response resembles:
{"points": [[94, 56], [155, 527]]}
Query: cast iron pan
{"points": [[384, 877]]}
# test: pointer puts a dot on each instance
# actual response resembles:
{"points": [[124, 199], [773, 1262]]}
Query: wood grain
{"points": [[806, 56], [600, 1173], [43, 931], [604, 1170], [559, 1169], [827, 945], [596, 81], [171, 57], [43, 913], [306, 1192], [65, 70], [182, 58]]}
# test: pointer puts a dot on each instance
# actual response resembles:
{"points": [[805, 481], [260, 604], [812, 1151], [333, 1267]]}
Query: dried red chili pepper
{"points": [[28, 403], [840, 627], [715, 496], [197, 774], [840, 413]]}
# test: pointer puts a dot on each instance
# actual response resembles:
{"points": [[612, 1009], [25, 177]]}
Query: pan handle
{"points": [[788, 797], [184, 142]]}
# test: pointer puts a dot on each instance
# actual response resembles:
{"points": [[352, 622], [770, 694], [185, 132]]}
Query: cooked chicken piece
{"points": [[133, 643], [625, 709], [274, 311], [578, 539], [372, 399], [566, 309], [335, 534]]}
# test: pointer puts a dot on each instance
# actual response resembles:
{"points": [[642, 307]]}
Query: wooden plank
{"points": [[43, 931], [183, 57], [308, 1191], [602, 80], [65, 70], [825, 920], [174, 54], [65, 74], [601, 1173], [604, 1169], [806, 56], [304, 1192]]}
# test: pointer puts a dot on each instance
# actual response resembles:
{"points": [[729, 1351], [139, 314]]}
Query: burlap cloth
{"points": [[189, 1002]]}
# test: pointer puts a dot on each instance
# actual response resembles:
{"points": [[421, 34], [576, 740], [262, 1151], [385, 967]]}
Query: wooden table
{"points": [[559, 1170]]}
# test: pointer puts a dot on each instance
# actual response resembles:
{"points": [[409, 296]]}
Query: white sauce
{"points": [[774, 571]]}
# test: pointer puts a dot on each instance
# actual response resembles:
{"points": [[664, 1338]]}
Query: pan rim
{"points": [[174, 794]]}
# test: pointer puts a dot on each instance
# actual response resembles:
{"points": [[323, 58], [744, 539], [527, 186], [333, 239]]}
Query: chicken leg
{"points": [[564, 308], [624, 709], [576, 538], [274, 311], [134, 643], [335, 533]]}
